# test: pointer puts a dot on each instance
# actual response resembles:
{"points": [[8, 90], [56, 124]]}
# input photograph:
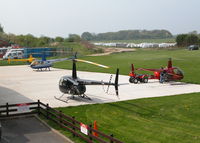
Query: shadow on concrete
{"points": [[178, 83], [12, 97]]}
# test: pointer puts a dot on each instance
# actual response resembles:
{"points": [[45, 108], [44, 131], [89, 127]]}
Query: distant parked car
{"points": [[193, 47]]}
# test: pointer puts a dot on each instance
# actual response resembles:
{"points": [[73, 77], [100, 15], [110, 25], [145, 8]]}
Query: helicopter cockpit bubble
{"points": [[178, 71]]}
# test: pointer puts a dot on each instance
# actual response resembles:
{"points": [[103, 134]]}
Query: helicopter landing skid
{"points": [[60, 98], [72, 97]]}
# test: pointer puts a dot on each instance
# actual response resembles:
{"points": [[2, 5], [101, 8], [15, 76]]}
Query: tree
{"points": [[181, 40], [193, 32], [192, 39], [59, 39], [127, 35], [1, 29], [74, 38], [87, 36], [187, 39], [43, 41]]}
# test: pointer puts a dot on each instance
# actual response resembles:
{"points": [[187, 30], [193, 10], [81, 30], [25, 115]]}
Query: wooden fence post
{"points": [[90, 131], [7, 112], [38, 107], [111, 139], [0, 132], [73, 124], [47, 111]]}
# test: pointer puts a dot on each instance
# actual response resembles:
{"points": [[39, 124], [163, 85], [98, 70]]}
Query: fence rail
{"points": [[69, 123]]}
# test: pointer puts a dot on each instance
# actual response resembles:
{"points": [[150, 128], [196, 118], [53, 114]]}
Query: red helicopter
{"points": [[167, 74]]}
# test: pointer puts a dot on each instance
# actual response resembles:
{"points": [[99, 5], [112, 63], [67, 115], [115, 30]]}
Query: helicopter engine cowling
{"points": [[68, 87]]}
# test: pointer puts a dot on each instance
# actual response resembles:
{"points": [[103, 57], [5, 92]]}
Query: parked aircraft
{"points": [[167, 74], [74, 85], [44, 63]]}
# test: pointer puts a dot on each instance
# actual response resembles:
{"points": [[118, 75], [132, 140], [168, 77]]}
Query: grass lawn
{"points": [[170, 119]]}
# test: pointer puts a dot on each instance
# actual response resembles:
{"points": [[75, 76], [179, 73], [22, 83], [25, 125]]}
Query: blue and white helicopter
{"points": [[44, 63]]}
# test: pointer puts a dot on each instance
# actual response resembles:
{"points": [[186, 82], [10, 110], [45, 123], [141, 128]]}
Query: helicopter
{"points": [[166, 74], [74, 85], [44, 63]]}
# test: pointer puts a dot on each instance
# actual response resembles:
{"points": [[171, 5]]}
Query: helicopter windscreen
{"points": [[34, 63], [178, 71]]}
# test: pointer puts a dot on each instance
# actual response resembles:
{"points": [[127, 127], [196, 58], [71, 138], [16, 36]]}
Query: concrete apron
{"points": [[20, 84]]}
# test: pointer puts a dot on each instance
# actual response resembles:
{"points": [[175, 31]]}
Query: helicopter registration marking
{"points": [[84, 128]]}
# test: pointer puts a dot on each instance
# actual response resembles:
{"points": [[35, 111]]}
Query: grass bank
{"points": [[151, 120]]}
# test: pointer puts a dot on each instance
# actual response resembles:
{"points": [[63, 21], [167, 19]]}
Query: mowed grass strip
{"points": [[170, 119], [188, 61]]}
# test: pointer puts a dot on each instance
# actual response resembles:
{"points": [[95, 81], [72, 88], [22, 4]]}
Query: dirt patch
{"points": [[108, 51]]}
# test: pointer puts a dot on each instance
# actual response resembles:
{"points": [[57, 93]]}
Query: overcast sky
{"points": [[62, 17]]}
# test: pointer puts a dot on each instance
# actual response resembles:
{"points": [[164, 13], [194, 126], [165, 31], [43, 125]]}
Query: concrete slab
{"points": [[28, 130], [20, 84]]}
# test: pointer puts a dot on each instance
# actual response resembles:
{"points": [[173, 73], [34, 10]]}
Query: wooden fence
{"points": [[78, 129]]}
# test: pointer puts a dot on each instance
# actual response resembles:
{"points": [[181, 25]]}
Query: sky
{"points": [[63, 17]]}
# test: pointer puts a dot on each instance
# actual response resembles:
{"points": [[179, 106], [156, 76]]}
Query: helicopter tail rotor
{"points": [[115, 84]]}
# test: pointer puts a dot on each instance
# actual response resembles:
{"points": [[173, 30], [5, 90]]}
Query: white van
{"points": [[14, 54]]}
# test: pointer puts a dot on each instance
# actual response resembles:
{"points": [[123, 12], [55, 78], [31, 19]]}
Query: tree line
{"points": [[127, 35], [32, 41], [187, 39]]}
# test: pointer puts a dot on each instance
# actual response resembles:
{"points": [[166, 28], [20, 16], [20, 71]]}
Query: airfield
{"points": [[21, 84]]}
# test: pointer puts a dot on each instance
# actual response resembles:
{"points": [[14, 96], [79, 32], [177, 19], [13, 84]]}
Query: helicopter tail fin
{"points": [[116, 82], [44, 57], [169, 63], [132, 68]]}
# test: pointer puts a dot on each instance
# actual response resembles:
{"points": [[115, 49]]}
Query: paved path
{"points": [[20, 84], [28, 130]]}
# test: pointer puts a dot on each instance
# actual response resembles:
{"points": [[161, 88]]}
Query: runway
{"points": [[21, 84]]}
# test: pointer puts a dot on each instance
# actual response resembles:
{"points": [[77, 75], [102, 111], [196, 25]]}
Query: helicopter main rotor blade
{"points": [[89, 62]]}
